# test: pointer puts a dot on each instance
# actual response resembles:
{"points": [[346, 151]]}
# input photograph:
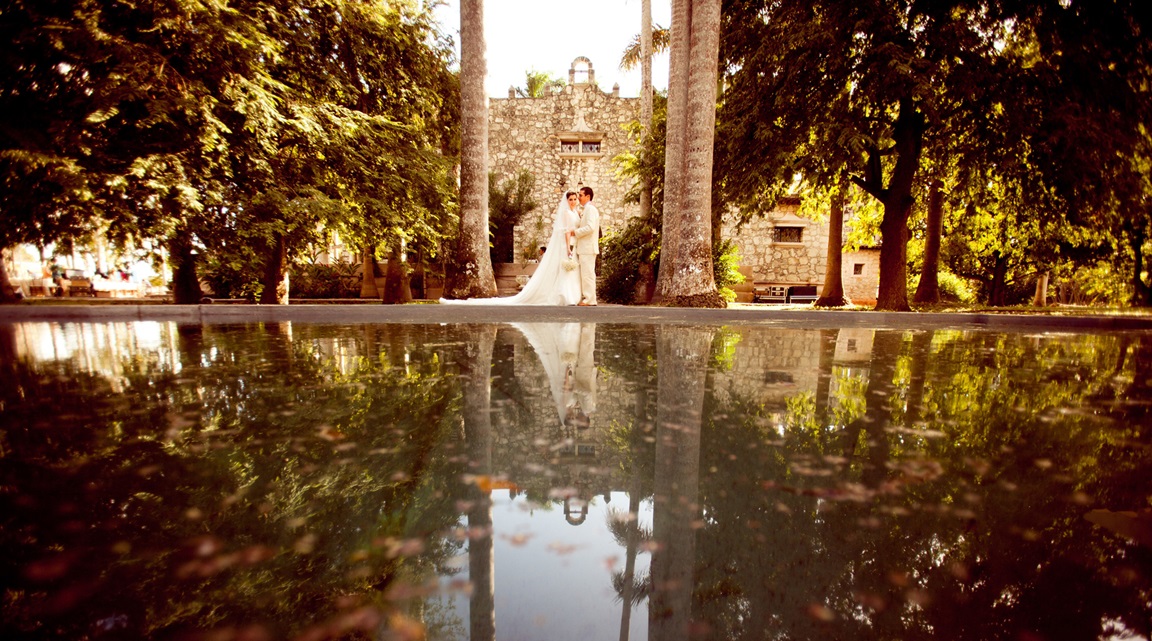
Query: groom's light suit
{"points": [[587, 247]]}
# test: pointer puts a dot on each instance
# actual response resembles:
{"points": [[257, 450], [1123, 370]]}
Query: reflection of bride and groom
{"points": [[566, 351], [566, 273]]}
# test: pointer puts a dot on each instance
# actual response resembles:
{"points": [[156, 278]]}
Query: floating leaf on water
{"points": [[1136, 526], [821, 612], [562, 549]]}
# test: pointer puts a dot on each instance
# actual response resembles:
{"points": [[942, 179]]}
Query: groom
{"points": [[587, 247]]}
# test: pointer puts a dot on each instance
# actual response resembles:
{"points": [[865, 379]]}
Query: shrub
{"points": [[340, 280], [621, 255], [726, 268]]}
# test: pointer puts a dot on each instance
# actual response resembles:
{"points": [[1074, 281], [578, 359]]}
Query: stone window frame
{"points": [[857, 269], [799, 242], [581, 146]]}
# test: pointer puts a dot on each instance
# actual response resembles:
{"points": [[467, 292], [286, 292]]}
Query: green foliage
{"points": [[1098, 284], [621, 256], [953, 289], [726, 267], [337, 280], [239, 127], [508, 202], [538, 84], [646, 160]]}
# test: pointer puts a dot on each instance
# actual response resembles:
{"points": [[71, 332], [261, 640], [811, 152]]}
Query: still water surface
{"points": [[572, 481]]}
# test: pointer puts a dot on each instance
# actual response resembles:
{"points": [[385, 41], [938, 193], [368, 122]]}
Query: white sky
{"points": [[547, 35]]}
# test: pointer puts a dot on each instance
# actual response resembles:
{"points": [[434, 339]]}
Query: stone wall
{"points": [[526, 134], [773, 257]]}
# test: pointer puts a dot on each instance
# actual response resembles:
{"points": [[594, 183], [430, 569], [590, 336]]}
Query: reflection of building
{"points": [[854, 345]]}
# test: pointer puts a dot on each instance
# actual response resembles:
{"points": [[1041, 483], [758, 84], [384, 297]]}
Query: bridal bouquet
{"points": [[571, 263]]}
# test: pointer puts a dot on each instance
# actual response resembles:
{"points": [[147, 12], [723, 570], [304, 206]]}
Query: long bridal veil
{"points": [[551, 283]]}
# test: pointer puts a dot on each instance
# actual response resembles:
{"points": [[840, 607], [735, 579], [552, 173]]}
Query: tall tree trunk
{"points": [[471, 274], [185, 282], [396, 286], [1141, 291], [679, 38], [476, 372], [1040, 299], [828, 339], [645, 116], [368, 274], [897, 200], [687, 265], [928, 290], [832, 294], [996, 293], [7, 291], [275, 279]]}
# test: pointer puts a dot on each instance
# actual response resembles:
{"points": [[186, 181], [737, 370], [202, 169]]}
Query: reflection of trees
{"points": [[683, 357], [266, 480], [633, 436], [952, 506], [476, 374]]}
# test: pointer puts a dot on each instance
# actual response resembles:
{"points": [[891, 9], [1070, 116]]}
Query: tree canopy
{"points": [[1049, 97], [237, 129]]}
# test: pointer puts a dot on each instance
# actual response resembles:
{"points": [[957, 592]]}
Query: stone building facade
{"points": [[788, 249], [565, 139]]}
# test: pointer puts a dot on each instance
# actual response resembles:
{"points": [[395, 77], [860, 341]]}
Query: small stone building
{"points": [[786, 249]]}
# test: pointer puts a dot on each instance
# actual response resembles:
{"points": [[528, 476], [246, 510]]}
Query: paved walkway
{"points": [[738, 314]]}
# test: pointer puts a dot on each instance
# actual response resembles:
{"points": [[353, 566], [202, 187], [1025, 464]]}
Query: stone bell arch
{"points": [[581, 66]]}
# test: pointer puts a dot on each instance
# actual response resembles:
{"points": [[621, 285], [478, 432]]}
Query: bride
{"points": [[554, 282]]}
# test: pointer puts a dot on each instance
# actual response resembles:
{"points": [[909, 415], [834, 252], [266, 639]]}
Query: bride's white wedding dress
{"points": [[557, 345], [550, 284]]}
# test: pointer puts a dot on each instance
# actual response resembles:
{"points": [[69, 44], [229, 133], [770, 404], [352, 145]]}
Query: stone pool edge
{"points": [[431, 313]]}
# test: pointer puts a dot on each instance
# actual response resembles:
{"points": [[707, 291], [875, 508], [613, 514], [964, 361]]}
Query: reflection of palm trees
{"points": [[631, 589]]}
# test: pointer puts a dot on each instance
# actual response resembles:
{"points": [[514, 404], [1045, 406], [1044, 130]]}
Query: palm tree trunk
{"points": [[645, 111], [476, 371], [686, 277], [678, 57], [682, 372], [471, 274]]}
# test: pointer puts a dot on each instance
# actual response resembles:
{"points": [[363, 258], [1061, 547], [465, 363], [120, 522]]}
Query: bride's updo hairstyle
{"points": [[570, 194]]}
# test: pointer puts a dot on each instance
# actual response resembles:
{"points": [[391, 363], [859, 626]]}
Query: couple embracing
{"points": [[566, 273]]}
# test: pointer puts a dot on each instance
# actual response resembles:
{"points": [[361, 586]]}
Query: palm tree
{"points": [[537, 84], [686, 278], [470, 272], [634, 52]]}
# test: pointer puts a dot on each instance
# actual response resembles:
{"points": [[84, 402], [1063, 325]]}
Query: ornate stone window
{"points": [[579, 146]]}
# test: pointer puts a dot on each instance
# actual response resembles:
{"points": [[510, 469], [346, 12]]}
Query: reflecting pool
{"points": [[288, 480]]}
